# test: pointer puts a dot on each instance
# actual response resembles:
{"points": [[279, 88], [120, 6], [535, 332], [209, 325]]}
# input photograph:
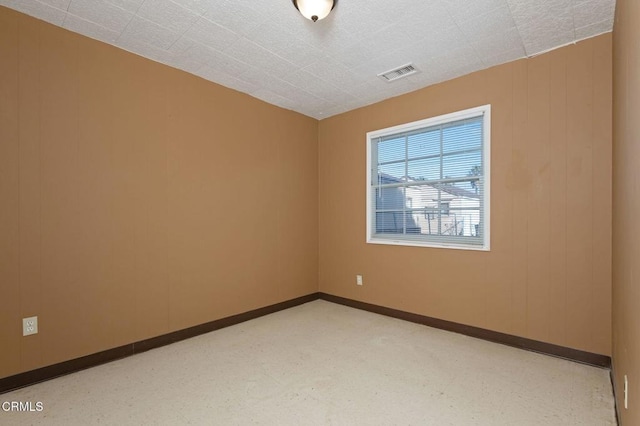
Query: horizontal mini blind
{"points": [[427, 183]]}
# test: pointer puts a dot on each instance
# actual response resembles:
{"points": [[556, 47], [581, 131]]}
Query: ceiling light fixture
{"points": [[315, 9]]}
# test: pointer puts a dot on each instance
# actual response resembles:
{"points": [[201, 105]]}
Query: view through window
{"points": [[428, 182]]}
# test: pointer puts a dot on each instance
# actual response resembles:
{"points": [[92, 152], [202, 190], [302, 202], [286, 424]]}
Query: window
{"points": [[428, 182]]}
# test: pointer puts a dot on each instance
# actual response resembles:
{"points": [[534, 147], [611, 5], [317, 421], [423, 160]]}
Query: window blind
{"points": [[427, 184]]}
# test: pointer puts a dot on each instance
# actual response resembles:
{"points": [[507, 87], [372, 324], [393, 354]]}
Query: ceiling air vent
{"points": [[397, 73]]}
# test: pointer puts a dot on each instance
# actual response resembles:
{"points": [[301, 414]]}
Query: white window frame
{"points": [[485, 112]]}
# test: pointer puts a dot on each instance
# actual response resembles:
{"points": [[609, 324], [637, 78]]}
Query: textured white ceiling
{"points": [[267, 49]]}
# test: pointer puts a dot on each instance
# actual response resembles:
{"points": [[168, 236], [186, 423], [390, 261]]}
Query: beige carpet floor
{"points": [[326, 364]]}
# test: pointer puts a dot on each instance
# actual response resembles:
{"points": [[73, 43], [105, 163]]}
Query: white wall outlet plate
{"points": [[29, 326], [359, 279]]}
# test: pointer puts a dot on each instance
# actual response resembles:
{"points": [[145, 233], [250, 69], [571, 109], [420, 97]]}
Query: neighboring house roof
{"points": [[448, 188], [454, 190], [385, 179]]}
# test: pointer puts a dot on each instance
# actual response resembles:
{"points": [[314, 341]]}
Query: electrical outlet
{"points": [[358, 279], [29, 326], [626, 392]]}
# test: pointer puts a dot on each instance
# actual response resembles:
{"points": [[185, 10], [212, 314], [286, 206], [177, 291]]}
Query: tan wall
{"points": [[136, 199], [626, 206], [548, 274]]}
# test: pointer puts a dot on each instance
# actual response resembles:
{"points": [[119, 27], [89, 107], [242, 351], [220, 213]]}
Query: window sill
{"points": [[399, 242]]}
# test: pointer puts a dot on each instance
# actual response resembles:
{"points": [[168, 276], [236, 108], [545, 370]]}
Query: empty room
{"points": [[320, 212]]}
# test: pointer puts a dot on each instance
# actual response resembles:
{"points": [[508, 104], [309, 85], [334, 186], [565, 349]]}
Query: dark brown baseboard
{"points": [[67, 367], [576, 355]]}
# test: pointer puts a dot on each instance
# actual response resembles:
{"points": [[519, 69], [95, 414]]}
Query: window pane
{"points": [[391, 149], [462, 136], [424, 143], [461, 165], [427, 169], [391, 173], [390, 199], [389, 223], [466, 189]]}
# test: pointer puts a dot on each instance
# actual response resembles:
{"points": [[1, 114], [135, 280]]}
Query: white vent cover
{"points": [[397, 73]]}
